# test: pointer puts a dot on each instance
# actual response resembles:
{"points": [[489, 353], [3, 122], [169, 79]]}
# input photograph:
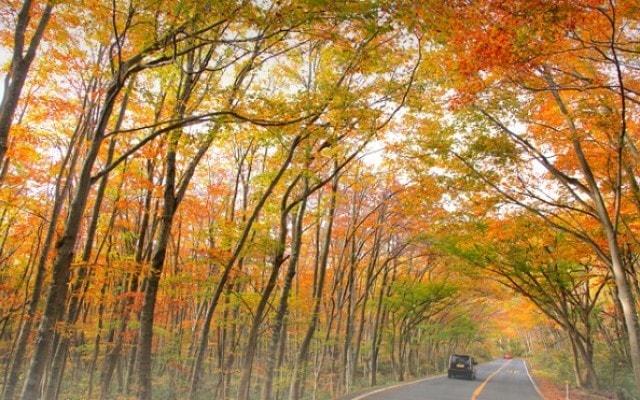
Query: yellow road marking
{"points": [[480, 388]]}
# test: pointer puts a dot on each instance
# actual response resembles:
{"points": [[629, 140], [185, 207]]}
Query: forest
{"points": [[302, 199]]}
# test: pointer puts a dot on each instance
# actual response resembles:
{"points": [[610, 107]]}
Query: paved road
{"points": [[495, 380]]}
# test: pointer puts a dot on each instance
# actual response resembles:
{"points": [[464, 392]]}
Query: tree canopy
{"points": [[298, 199]]}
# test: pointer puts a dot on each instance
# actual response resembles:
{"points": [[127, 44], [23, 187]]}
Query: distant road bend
{"points": [[495, 380]]}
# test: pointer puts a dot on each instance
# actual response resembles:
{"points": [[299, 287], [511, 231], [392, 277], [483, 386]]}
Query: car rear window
{"points": [[459, 359]]}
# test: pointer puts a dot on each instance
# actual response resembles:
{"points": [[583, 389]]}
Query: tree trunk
{"points": [[375, 332], [284, 299], [254, 331], [204, 337], [113, 356], [300, 366], [60, 354], [20, 64], [369, 281], [64, 254], [69, 162], [145, 335], [625, 295]]}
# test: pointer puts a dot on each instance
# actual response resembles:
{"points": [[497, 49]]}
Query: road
{"points": [[495, 380]]}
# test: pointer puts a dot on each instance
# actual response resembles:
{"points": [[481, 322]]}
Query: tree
{"points": [[25, 47], [548, 270], [539, 79]]}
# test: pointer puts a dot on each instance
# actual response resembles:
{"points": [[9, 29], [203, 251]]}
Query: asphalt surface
{"points": [[495, 380]]}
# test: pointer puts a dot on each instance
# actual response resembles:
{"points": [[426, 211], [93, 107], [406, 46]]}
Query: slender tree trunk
{"points": [[135, 280], [173, 195], [300, 366], [23, 55], [96, 343], [254, 331], [375, 331], [60, 353], [284, 299], [576, 364], [64, 254], [112, 357], [369, 280], [61, 350], [25, 330], [145, 336], [204, 337], [625, 295]]}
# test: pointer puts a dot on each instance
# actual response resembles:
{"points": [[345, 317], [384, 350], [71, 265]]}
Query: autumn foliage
{"points": [[298, 199]]}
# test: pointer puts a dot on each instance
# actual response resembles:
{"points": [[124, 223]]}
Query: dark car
{"points": [[462, 366]]}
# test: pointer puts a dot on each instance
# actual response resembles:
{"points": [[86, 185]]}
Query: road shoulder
{"points": [[366, 392], [550, 390]]}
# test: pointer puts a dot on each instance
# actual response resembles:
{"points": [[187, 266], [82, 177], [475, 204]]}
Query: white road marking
{"points": [[532, 381], [384, 389]]}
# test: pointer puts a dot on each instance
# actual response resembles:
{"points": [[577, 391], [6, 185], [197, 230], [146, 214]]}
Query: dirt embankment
{"points": [[553, 391]]}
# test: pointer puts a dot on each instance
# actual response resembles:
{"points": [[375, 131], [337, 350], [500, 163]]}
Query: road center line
{"points": [[480, 388]]}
